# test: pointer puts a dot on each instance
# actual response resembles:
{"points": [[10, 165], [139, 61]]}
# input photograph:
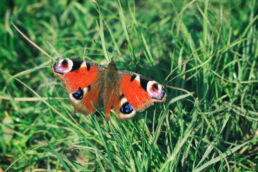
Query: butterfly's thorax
{"points": [[111, 76], [111, 86]]}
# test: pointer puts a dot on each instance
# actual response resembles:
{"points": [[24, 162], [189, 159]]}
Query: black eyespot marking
{"points": [[88, 88], [88, 66], [76, 64], [78, 94], [144, 83], [133, 77], [155, 87], [126, 108], [64, 62]]}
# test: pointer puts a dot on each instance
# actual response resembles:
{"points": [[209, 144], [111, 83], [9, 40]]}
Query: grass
{"points": [[204, 52]]}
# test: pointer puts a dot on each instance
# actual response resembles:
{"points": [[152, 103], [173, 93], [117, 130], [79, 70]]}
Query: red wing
{"points": [[82, 80], [76, 73], [141, 92]]}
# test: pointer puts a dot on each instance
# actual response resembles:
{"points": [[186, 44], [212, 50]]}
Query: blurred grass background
{"points": [[208, 48]]}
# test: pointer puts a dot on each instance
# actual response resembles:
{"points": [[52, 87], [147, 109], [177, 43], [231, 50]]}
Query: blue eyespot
{"points": [[162, 94], [126, 108], [56, 69], [160, 97], [78, 94]]}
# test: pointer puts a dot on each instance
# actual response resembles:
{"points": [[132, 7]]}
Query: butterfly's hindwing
{"points": [[83, 82]]}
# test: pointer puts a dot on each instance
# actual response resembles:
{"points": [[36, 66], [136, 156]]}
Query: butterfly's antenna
{"points": [[30, 41]]}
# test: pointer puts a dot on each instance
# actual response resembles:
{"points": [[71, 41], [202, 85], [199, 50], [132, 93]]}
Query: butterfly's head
{"points": [[112, 66]]}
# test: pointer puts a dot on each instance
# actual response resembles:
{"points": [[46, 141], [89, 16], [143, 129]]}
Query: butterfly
{"points": [[92, 86]]}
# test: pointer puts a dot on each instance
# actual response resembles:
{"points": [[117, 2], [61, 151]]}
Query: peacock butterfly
{"points": [[91, 85]]}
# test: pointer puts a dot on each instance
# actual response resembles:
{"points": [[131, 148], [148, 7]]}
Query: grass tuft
{"points": [[204, 52]]}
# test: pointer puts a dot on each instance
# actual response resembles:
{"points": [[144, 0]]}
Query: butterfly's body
{"points": [[91, 85]]}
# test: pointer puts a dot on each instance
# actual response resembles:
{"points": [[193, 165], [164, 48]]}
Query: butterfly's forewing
{"points": [[138, 93], [83, 81]]}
